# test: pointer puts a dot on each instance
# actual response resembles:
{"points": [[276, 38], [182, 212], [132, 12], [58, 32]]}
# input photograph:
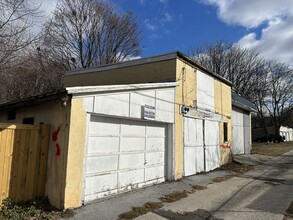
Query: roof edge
{"points": [[112, 88], [33, 100], [156, 58]]}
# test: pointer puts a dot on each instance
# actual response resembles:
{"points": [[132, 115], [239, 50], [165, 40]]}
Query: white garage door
{"points": [[123, 154], [197, 134], [212, 143], [193, 146]]}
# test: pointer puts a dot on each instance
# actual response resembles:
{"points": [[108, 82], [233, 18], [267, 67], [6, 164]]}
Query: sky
{"points": [[178, 25]]}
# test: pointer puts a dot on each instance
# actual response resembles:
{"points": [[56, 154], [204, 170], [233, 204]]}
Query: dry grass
{"points": [[222, 178], [272, 149], [199, 187], [236, 167], [173, 197], [137, 211]]}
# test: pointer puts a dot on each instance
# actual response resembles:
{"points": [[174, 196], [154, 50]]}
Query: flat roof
{"points": [[152, 59]]}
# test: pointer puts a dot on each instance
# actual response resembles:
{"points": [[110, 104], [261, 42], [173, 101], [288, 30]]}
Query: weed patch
{"points": [[199, 187], [222, 178], [173, 197], [236, 167], [36, 209], [137, 211]]}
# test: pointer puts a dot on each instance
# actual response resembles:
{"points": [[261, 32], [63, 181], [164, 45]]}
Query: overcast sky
{"points": [[169, 25]]}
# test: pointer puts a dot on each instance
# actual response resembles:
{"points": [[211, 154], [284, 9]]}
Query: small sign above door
{"points": [[149, 112]]}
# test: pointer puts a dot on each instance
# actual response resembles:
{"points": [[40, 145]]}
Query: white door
{"points": [[193, 146], [212, 145], [201, 145], [123, 154]]}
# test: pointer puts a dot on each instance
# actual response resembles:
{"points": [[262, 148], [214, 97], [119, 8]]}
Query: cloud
{"points": [[150, 26], [164, 1], [142, 2], [275, 18], [250, 13], [276, 41], [168, 17]]}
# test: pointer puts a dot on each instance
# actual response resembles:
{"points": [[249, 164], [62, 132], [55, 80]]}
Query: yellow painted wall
{"points": [[185, 94], [77, 139], [55, 115]]}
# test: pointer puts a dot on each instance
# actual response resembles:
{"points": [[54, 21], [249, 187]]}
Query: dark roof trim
{"points": [[243, 103], [162, 57], [33, 100]]}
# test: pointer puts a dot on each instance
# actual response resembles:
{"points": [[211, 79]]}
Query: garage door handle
{"points": [[145, 162]]}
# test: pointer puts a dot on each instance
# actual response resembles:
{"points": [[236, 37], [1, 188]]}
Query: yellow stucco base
{"points": [[75, 159]]}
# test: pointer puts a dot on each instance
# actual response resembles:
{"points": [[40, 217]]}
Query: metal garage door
{"points": [[123, 154], [201, 145]]}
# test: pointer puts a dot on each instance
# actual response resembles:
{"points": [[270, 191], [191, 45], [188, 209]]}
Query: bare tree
{"points": [[34, 74], [268, 84], [279, 100], [85, 33], [16, 20], [239, 65]]}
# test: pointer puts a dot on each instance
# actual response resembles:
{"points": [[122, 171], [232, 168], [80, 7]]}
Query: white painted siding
{"points": [[205, 91], [130, 104], [123, 154], [287, 132], [237, 131]]}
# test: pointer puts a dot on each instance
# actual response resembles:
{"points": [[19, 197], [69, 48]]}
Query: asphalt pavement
{"points": [[262, 193]]}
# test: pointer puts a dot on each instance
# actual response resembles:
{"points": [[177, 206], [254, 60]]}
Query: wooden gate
{"points": [[23, 161]]}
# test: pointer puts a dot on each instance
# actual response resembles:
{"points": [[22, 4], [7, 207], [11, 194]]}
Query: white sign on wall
{"points": [[149, 112]]}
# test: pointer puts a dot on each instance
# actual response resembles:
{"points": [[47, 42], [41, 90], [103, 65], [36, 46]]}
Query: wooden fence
{"points": [[23, 161]]}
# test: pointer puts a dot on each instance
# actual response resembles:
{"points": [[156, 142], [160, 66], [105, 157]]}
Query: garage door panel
{"points": [[212, 152], [155, 144], [212, 158], [211, 133], [102, 164], [132, 144], [101, 183], [189, 161], [137, 130], [97, 127], [199, 155], [154, 173], [103, 145], [155, 131], [155, 158], [131, 177], [130, 161]]}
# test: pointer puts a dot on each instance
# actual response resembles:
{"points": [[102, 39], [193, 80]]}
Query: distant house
{"points": [[287, 133], [241, 124], [131, 124]]}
